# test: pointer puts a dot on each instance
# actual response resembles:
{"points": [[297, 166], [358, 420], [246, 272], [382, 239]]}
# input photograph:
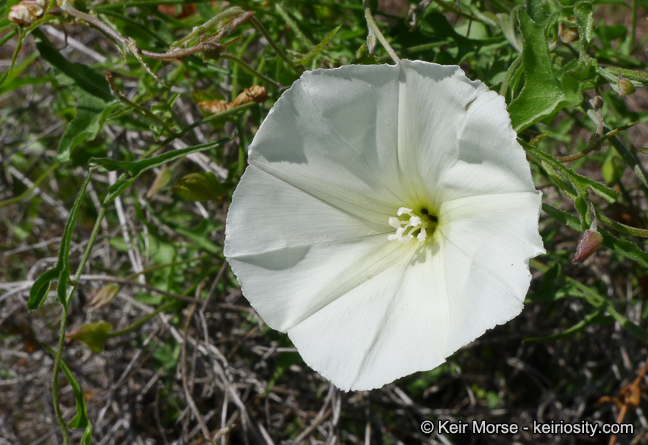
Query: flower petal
{"points": [[423, 309], [295, 253], [490, 160], [487, 242], [333, 134], [433, 100], [288, 286], [340, 340], [268, 214]]}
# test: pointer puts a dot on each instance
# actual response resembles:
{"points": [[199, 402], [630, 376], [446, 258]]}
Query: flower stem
{"points": [[371, 23], [61, 342], [595, 143], [55, 375], [257, 24]]}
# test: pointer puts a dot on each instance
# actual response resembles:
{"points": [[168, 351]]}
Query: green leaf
{"points": [[613, 168], [119, 187], [507, 24], [81, 419], [581, 183], [136, 168], [197, 234], [200, 187], [94, 335], [583, 211], [293, 25], [547, 291], [585, 25], [586, 68], [542, 94], [315, 51], [594, 317], [41, 286], [94, 100], [11, 82], [603, 303]]}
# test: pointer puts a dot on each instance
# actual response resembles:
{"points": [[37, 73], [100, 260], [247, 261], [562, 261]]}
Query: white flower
{"points": [[385, 220]]}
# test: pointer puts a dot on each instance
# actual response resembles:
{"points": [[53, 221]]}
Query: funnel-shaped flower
{"points": [[385, 220]]}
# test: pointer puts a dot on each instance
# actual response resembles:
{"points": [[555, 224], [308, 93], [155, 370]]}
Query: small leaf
{"points": [[585, 24], [547, 291], [81, 419], [94, 335], [161, 180], [315, 51], [105, 295], [200, 187], [119, 187], [613, 169], [136, 168], [507, 24], [40, 289], [594, 317]]}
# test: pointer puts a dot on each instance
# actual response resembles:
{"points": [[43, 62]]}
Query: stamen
{"points": [[409, 225], [394, 222], [406, 239]]}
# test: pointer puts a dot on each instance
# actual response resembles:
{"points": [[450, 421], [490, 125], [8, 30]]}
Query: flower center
{"points": [[410, 225]]}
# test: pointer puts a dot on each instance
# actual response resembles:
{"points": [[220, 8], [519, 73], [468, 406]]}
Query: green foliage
{"points": [[41, 286], [94, 335], [81, 419]]}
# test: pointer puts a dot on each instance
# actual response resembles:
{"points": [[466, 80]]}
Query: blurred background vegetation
{"points": [[159, 345]]}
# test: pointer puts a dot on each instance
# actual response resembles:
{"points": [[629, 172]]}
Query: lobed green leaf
{"points": [[542, 94]]}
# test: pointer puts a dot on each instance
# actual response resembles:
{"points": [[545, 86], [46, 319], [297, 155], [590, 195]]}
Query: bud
{"points": [[26, 12], [105, 295], [94, 335], [596, 102], [625, 87], [588, 243], [200, 187], [569, 35]]}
